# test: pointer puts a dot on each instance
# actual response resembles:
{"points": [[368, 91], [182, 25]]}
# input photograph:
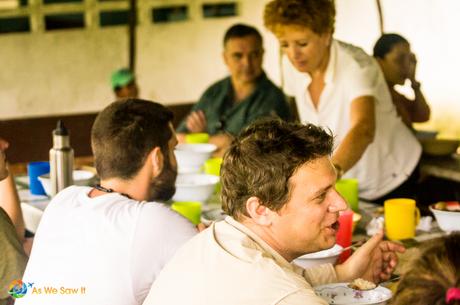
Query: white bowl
{"points": [[447, 220], [80, 177], [328, 256], [191, 157], [194, 187], [32, 216], [341, 294]]}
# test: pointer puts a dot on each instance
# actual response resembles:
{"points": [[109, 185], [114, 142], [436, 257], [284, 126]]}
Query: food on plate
{"points": [[361, 284], [451, 206]]}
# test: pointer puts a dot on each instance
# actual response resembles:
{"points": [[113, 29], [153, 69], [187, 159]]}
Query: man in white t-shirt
{"points": [[278, 188], [107, 244]]}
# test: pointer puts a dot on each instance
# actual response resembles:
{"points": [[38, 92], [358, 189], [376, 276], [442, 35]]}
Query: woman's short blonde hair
{"points": [[317, 15]]}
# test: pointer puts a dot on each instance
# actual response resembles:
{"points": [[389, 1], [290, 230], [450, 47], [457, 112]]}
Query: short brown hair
{"points": [[262, 159], [432, 274], [317, 15], [125, 132]]}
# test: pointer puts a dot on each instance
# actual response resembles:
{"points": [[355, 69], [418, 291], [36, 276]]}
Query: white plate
{"points": [[341, 294]]}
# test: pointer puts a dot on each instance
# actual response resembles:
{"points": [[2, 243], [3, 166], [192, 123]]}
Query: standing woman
{"points": [[398, 63], [339, 86]]}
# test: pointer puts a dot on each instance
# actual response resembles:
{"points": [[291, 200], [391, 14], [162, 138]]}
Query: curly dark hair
{"points": [[262, 159], [435, 272], [317, 15]]}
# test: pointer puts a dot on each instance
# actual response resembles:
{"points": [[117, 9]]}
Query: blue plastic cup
{"points": [[35, 169]]}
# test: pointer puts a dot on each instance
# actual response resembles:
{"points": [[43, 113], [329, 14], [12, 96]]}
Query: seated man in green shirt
{"points": [[237, 100]]}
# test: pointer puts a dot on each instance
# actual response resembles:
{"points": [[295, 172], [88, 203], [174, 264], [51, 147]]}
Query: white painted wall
{"points": [[432, 28], [46, 73]]}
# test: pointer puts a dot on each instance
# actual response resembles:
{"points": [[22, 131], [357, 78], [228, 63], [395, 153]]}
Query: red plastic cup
{"points": [[344, 234]]}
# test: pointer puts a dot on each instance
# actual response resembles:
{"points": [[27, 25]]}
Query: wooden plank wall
{"points": [[30, 138]]}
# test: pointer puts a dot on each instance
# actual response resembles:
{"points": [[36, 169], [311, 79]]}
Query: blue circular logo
{"points": [[17, 289]]}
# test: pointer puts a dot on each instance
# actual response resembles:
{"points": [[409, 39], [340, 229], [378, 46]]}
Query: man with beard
{"points": [[106, 244]]}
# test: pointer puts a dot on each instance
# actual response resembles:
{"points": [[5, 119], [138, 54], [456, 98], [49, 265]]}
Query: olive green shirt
{"points": [[224, 115], [12, 257]]}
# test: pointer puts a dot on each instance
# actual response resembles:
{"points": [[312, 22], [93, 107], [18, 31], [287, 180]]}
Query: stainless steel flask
{"points": [[61, 160]]}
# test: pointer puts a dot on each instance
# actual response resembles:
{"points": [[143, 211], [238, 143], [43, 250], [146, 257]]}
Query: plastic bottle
{"points": [[61, 160]]}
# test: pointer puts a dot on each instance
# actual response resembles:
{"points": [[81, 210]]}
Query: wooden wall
{"points": [[30, 138]]}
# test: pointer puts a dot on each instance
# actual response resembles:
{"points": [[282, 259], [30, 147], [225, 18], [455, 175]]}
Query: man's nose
{"points": [[246, 61], [337, 203]]}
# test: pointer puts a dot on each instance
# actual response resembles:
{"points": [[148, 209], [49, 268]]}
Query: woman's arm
{"points": [[360, 135], [9, 201], [419, 111]]}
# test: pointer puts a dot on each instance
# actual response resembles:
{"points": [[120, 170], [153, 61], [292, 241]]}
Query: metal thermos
{"points": [[61, 160]]}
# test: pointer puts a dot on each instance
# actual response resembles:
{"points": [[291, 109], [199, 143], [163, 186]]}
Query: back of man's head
{"points": [[241, 30], [262, 159], [125, 132]]}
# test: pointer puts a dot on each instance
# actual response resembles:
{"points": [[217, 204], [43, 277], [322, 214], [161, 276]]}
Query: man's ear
{"points": [[258, 212], [224, 57], [157, 160]]}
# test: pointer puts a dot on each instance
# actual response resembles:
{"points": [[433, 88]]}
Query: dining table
{"points": [[445, 167], [33, 207]]}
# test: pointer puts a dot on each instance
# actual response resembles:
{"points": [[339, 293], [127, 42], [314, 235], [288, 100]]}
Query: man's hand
{"points": [[196, 121], [374, 261], [201, 227], [3, 170]]}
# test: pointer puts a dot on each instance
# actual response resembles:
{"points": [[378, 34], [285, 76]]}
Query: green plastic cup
{"points": [[189, 209], [348, 189], [199, 137], [212, 166]]}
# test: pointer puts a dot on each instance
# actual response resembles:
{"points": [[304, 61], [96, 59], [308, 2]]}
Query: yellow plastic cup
{"points": [[401, 218], [189, 209], [348, 189], [199, 137]]}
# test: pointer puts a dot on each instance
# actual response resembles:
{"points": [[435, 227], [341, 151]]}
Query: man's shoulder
{"points": [[156, 218], [218, 87], [272, 89], [267, 82], [67, 196], [213, 94], [158, 210]]}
